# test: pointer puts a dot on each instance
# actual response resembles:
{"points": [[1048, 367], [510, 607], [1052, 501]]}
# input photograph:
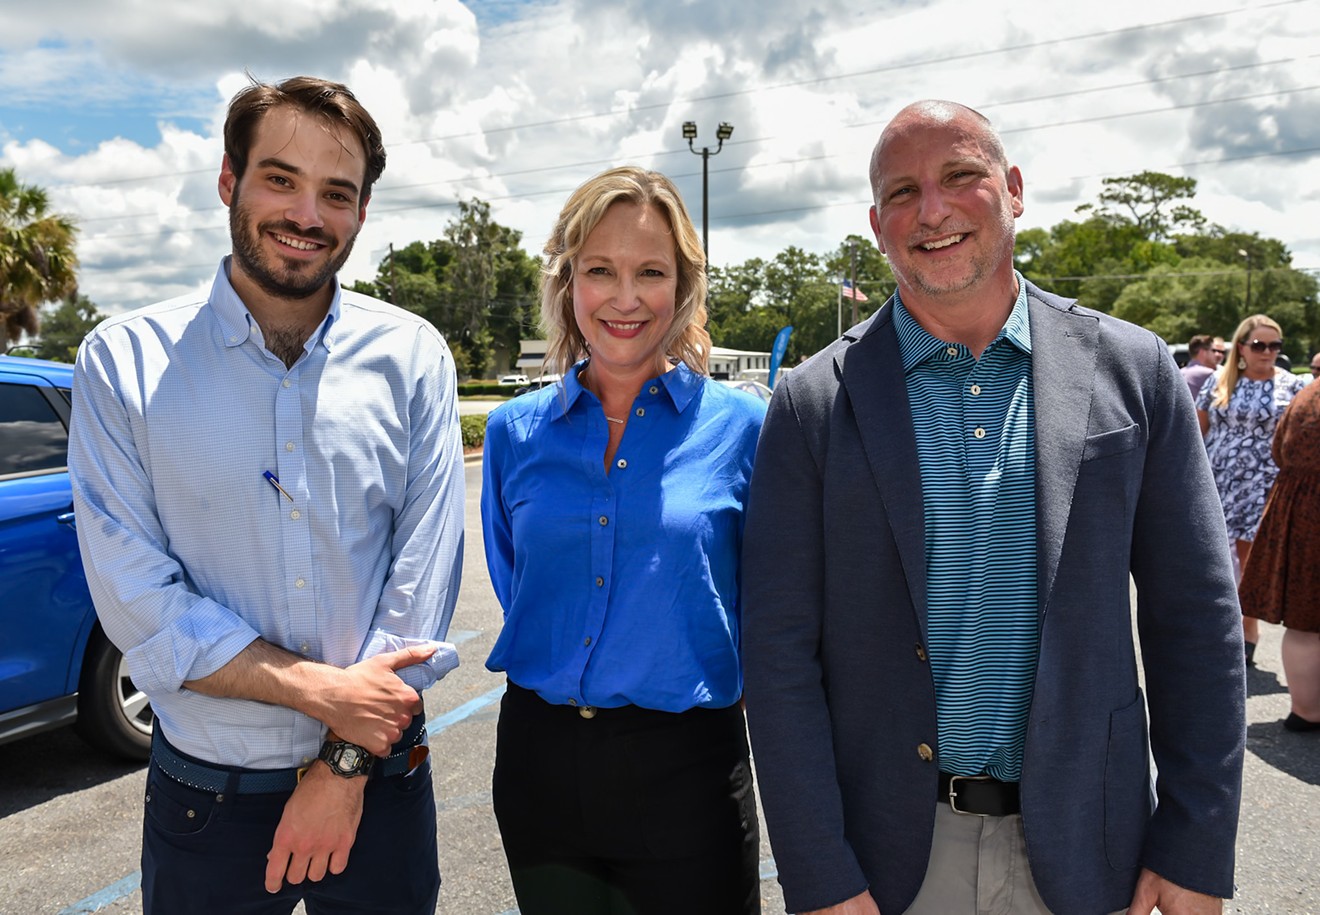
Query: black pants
{"points": [[204, 854], [630, 812]]}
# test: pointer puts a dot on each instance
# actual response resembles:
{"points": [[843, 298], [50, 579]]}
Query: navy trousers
{"points": [[629, 812], [205, 853]]}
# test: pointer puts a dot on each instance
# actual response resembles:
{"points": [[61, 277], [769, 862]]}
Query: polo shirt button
{"points": [[952, 351], [925, 752], [921, 652], [979, 433], [975, 389], [604, 521], [587, 712]]}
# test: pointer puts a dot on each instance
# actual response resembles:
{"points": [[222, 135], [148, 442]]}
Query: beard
{"points": [[287, 279]]}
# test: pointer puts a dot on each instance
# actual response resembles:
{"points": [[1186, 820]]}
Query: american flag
{"points": [[850, 293]]}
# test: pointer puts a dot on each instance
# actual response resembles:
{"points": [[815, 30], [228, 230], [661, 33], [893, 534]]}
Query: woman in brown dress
{"points": [[1281, 580]]}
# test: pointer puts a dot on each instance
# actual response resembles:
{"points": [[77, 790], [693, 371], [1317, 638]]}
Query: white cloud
{"points": [[520, 110]]}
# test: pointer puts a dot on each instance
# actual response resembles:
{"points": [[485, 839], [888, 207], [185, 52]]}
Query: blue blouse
{"points": [[620, 589]]}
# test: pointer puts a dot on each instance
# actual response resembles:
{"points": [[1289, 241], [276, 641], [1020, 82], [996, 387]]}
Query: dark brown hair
{"points": [[334, 103]]}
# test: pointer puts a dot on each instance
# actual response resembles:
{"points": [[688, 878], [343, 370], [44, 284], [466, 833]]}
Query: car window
{"points": [[32, 438]]}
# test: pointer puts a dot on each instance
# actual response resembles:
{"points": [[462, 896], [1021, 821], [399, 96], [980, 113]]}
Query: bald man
{"points": [[948, 502]]}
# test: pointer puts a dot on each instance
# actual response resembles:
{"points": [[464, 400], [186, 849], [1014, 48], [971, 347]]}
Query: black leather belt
{"points": [[204, 776], [979, 795]]}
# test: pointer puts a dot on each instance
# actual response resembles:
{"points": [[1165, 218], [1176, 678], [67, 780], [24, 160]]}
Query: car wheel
{"points": [[113, 714]]}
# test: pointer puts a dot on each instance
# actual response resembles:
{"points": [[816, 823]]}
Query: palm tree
{"points": [[38, 262]]}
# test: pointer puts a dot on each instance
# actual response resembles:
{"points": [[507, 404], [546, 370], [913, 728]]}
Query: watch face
{"points": [[349, 759]]}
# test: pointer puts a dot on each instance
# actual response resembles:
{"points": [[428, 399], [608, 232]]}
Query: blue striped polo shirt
{"points": [[975, 427]]}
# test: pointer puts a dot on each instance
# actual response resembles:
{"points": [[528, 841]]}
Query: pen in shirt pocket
{"points": [[275, 481]]}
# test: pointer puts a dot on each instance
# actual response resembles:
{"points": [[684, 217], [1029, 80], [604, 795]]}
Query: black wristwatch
{"points": [[345, 759]]}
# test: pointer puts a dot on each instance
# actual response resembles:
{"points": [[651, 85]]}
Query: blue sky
{"points": [[115, 107]]}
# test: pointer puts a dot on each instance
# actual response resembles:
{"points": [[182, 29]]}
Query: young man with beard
{"points": [[948, 506], [269, 488]]}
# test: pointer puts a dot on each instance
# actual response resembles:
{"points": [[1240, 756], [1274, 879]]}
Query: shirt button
{"points": [[600, 582], [295, 514], [921, 652], [621, 463], [979, 433], [572, 702], [304, 648], [586, 641], [975, 389], [587, 712], [233, 339], [925, 752], [288, 446], [604, 521], [299, 583], [641, 411], [653, 390], [287, 382], [952, 351]]}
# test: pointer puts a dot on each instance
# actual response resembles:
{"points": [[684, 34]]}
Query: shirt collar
{"points": [[236, 320], [916, 344], [680, 385]]}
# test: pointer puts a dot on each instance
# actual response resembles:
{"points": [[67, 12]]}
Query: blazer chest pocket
{"points": [[1116, 441]]}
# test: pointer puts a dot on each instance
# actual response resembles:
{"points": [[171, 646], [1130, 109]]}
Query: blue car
{"points": [[56, 665]]}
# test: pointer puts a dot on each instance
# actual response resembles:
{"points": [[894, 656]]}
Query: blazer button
{"points": [[925, 752], [921, 652]]}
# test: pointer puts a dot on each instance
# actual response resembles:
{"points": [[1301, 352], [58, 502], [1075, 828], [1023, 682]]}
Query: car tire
{"points": [[113, 714]]}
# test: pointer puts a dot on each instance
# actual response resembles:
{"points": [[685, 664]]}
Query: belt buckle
{"points": [[953, 794]]}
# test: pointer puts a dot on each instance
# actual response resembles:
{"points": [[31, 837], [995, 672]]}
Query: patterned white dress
{"points": [[1238, 445]]}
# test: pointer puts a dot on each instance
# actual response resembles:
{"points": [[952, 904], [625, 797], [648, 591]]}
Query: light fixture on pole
{"points": [[722, 133], [1246, 255]]}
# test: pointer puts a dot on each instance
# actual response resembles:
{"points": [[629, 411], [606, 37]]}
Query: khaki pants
{"points": [[978, 865]]}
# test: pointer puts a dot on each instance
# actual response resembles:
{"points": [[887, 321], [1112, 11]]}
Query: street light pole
{"points": [[1246, 255], [722, 133]]}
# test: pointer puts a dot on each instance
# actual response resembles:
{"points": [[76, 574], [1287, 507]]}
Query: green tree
{"points": [[38, 262], [63, 327], [1150, 201]]}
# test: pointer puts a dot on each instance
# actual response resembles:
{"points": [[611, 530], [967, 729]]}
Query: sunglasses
{"points": [[1222, 352], [1315, 370], [1260, 346]]}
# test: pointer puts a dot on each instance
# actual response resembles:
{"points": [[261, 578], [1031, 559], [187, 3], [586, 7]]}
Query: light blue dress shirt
{"points": [[621, 589], [974, 421], [191, 553]]}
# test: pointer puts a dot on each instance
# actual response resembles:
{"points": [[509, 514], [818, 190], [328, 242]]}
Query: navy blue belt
{"points": [[218, 779]]}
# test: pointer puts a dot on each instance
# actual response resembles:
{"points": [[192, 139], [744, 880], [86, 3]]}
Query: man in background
{"points": [[1204, 355]]}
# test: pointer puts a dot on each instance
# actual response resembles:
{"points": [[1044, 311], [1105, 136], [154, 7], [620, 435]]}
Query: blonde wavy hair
{"points": [[1228, 378], [687, 339]]}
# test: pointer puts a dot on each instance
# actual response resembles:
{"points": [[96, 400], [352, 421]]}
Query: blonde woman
{"points": [[612, 508], [1238, 410]]}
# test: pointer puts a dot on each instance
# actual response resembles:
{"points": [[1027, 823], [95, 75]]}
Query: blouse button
{"points": [[600, 582], [586, 641], [621, 463], [641, 411], [604, 521], [653, 390]]}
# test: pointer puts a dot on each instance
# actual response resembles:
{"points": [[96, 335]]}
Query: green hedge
{"points": [[474, 430], [478, 388]]}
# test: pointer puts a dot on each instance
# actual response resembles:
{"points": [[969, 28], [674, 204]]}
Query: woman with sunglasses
{"points": [[1238, 410]]}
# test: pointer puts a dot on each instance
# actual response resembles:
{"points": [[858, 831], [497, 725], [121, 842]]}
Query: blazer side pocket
{"points": [[1127, 785], [1116, 441]]}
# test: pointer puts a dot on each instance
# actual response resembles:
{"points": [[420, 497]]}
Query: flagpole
{"points": [[839, 311]]}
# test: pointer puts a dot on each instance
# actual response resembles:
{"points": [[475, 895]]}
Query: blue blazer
{"points": [[840, 698]]}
